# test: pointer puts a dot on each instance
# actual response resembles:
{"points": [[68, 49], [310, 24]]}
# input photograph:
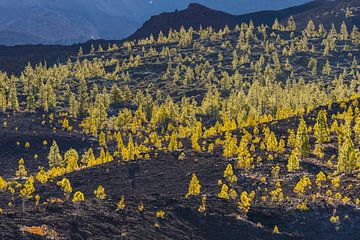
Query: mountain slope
{"points": [[336, 12], [197, 15], [53, 22]]}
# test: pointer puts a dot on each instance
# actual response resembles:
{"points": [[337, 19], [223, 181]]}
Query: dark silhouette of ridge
{"points": [[197, 15], [13, 59]]}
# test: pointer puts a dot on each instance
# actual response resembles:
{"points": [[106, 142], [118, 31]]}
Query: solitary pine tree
{"points": [[194, 187], [54, 157]]}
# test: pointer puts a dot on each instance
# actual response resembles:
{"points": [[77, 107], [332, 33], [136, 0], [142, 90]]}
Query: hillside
{"points": [[196, 15], [339, 11], [14, 59], [247, 133]]}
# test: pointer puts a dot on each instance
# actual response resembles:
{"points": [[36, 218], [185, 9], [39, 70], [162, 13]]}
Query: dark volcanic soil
{"points": [[159, 183]]}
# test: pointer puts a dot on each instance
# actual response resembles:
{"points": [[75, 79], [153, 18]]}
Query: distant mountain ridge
{"points": [[73, 21], [197, 15], [60, 22]]}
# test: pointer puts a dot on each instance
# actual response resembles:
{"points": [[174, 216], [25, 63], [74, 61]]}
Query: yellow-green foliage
{"points": [[121, 203], [66, 186], [100, 193], [78, 197], [194, 186], [224, 192], [303, 184], [293, 162]]}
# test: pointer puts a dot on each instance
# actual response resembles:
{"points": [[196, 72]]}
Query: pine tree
{"points": [[310, 29], [355, 36], [66, 187], [321, 30], [3, 101], [121, 203], [194, 187], [348, 159], [321, 129], [102, 139], [327, 68], [276, 25], [13, 103], [293, 162], [54, 157], [344, 34], [224, 192], [78, 197], [73, 106], [173, 144], [291, 25], [82, 98], [235, 60], [21, 172], [47, 96], [115, 94], [271, 142], [30, 102], [81, 52], [313, 66], [302, 139], [27, 191], [71, 158], [228, 171], [100, 193]]}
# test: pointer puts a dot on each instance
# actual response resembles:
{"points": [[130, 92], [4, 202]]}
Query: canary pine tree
{"points": [[321, 129], [302, 139], [27, 191], [348, 159], [55, 159], [173, 144], [230, 145], [293, 162], [100, 193], [71, 158], [194, 187], [30, 102], [13, 103], [121, 203], [3, 101], [224, 192], [78, 197], [21, 172], [291, 24], [66, 186], [102, 139], [228, 171]]}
